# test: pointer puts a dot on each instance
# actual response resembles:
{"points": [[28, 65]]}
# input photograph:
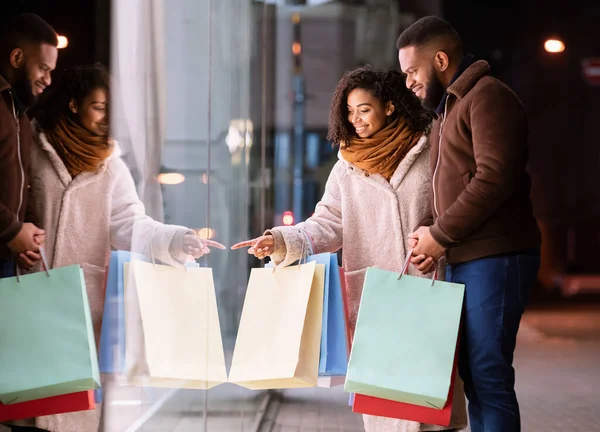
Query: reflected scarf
{"points": [[79, 149], [382, 152]]}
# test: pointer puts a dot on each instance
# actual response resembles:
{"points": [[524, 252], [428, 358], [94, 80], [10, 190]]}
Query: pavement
{"points": [[558, 379], [558, 385]]}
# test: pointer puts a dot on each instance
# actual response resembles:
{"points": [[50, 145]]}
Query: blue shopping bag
{"points": [[334, 350], [112, 337]]}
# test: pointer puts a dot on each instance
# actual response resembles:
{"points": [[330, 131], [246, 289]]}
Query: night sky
{"points": [[75, 19]]}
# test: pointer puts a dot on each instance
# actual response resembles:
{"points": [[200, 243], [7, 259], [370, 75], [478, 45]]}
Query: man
{"points": [[28, 54], [481, 215]]}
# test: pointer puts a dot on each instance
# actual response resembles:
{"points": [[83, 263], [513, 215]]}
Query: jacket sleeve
{"points": [[499, 134], [9, 224], [322, 232], [132, 230]]}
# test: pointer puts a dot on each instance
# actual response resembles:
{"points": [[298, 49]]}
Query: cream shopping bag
{"points": [[172, 330], [279, 336]]}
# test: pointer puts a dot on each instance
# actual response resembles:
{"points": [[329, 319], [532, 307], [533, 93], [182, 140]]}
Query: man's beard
{"points": [[434, 92], [24, 90]]}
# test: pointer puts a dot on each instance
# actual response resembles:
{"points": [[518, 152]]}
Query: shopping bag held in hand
{"points": [[334, 350], [279, 336], [173, 334], [405, 338], [46, 334], [112, 338], [363, 404]]}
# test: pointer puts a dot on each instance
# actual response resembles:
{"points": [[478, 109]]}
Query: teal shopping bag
{"points": [[405, 338], [47, 343]]}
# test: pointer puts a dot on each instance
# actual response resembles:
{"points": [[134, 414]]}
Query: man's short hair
{"points": [[23, 29], [428, 30]]}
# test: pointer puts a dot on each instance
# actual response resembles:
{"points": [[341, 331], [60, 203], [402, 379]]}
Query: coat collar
{"points": [[400, 172], [61, 169], [467, 80]]}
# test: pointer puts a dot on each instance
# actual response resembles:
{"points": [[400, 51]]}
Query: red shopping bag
{"points": [[346, 310], [81, 401], [387, 408]]}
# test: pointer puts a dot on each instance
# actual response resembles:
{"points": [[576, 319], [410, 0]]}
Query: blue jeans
{"points": [[497, 290], [7, 268]]}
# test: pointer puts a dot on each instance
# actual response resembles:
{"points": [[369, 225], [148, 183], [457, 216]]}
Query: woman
{"points": [[87, 202], [375, 195]]}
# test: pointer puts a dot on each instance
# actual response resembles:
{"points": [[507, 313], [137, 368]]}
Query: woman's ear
{"points": [[73, 106], [389, 109]]}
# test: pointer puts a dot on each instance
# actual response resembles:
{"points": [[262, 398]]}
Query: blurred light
{"points": [[204, 178], [296, 48], [171, 178], [554, 46], [205, 233], [296, 18], [239, 135], [63, 42], [288, 218]]}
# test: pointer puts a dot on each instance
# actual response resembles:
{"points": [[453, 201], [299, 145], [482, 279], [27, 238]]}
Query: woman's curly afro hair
{"points": [[387, 86]]}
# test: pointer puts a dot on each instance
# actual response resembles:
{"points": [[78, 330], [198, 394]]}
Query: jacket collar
{"points": [[4, 85], [402, 169], [19, 107], [467, 80], [467, 61]]}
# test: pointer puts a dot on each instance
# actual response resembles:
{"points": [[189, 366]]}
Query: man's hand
{"points": [[28, 259], [426, 251], [29, 238]]}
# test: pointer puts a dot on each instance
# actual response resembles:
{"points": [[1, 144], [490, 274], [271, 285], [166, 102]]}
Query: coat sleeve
{"points": [[427, 218], [322, 232], [31, 213], [131, 229]]}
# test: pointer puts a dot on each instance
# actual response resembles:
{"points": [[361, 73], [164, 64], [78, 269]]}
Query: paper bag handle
{"points": [[303, 253], [407, 262], [44, 264], [153, 260], [44, 260]]}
